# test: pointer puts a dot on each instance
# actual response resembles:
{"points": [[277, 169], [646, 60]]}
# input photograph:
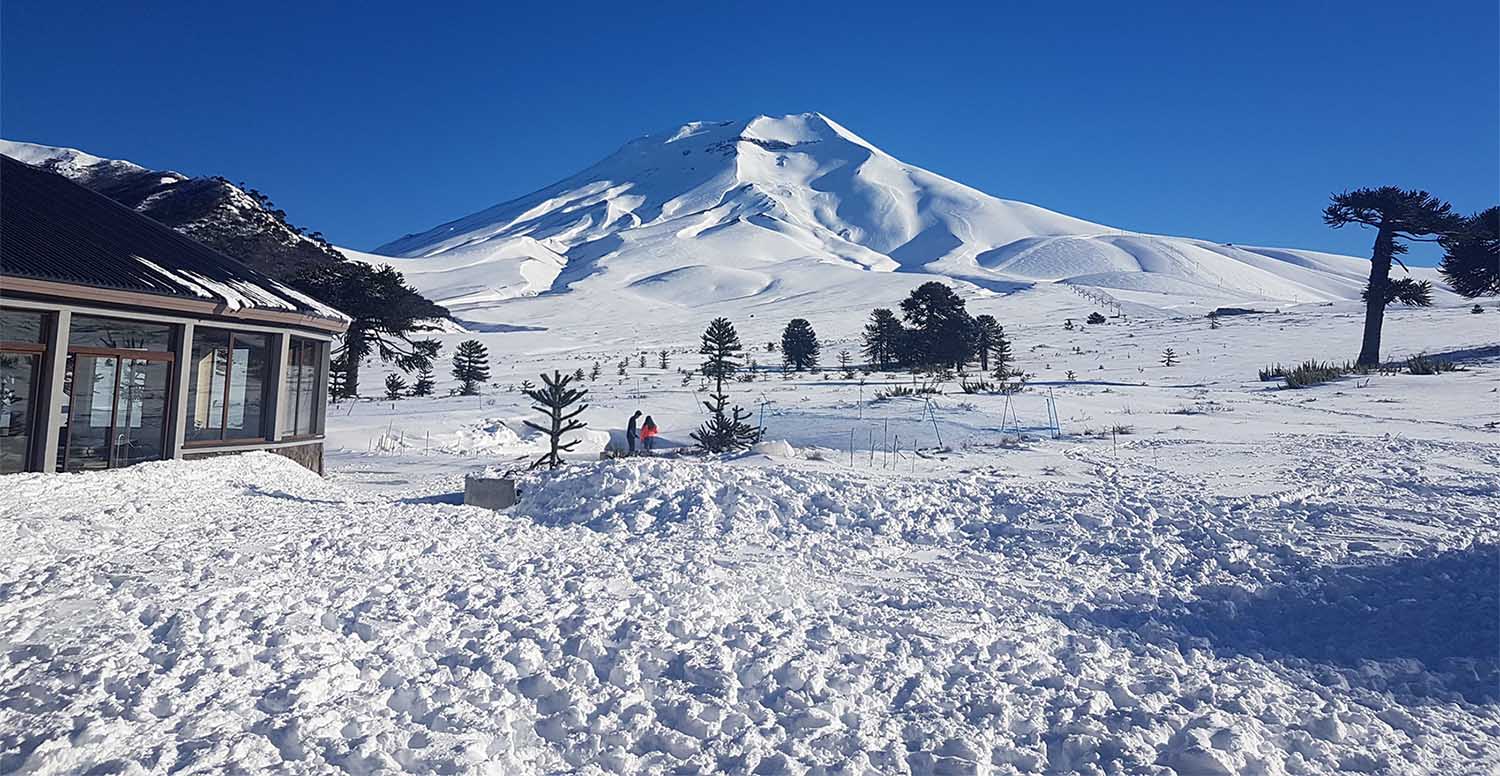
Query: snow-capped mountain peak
{"points": [[745, 206]]}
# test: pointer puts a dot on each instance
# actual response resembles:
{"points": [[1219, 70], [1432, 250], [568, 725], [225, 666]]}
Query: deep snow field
{"points": [[1250, 581]]}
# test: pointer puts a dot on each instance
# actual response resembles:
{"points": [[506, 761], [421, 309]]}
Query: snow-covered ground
{"points": [[1249, 581]]}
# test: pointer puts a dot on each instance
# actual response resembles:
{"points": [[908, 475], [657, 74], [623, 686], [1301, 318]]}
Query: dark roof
{"points": [[56, 230]]}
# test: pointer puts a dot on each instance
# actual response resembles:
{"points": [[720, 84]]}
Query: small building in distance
{"points": [[123, 341]]}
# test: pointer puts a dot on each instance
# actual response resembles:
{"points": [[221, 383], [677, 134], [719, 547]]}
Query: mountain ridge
{"points": [[733, 197]]}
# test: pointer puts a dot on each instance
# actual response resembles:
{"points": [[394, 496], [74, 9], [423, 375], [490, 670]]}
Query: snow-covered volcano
{"points": [[774, 208]]}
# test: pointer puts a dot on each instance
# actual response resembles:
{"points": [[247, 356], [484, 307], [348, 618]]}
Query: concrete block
{"points": [[490, 492]]}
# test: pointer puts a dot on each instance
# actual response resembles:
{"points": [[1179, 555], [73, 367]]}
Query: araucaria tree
{"points": [[987, 332], [424, 383], [387, 315], [471, 366], [1169, 357], [883, 338], [394, 386], [726, 428], [799, 345], [555, 400], [1471, 255], [1397, 215], [944, 335], [1000, 354]]}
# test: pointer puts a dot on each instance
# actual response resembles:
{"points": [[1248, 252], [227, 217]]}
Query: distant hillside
{"points": [[234, 220]]}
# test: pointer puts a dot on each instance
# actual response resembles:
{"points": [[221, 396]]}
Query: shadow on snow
{"points": [[1442, 610]]}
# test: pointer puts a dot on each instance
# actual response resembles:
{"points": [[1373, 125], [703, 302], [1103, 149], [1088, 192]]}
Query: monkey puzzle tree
{"points": [[883, 338], [1396, 215], [987, 333], [1471, 255], [386, 315], [471, 365], [726, 428], [553, 400], [799, 345]]}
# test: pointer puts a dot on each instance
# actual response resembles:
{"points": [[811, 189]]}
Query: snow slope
{"points": [[763, 211]]}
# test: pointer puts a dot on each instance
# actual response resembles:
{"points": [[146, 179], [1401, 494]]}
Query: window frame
{"points": [[296, 346], [263, 433]]}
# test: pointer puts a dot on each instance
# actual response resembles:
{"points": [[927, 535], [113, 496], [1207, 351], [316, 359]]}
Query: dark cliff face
{"points": [[213, 211]]}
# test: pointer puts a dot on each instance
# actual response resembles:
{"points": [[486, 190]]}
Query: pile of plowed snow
{"points": [[655, 616]]}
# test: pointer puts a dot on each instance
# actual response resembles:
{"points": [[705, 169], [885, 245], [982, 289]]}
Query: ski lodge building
{"points": [[123, 341]]}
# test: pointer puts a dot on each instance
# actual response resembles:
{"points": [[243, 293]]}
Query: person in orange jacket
{"points": [[648, 434]]}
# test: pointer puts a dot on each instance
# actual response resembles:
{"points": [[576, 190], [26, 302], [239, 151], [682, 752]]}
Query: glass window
{"points": [[227, 385], [20, 326], [206, 372], [304, 363], [17, 396], [90, 331]]}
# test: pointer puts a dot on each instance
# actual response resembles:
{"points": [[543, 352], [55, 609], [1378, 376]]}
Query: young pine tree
{"points": [[471, 366], [664, 362], [883, 338], [555, 400], [846, 362], [799, 345], [1397, 215], [338, 379], [424, 384], [1095, 319], [726, 428], [1000, 354], [1169, 357], [395, 386]]}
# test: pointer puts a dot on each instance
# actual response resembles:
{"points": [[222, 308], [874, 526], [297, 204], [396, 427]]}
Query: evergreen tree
{"points": [[1396, 215], [1000, 354], [987, 332], [799, 345], [1169, 357], [663, 356], [394, 386], [338, 383], [883, 336], [641, 361], [578, 374], [1095, 319], [423, 385], [944, 331], [553, 400], [386, 315], [471, 366], [595, 372], [725, 429], [721, 345], [844, 364], [1471, 255]]}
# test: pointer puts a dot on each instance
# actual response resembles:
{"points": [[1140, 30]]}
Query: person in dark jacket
{"points": [[648, 434], [630, 432]]}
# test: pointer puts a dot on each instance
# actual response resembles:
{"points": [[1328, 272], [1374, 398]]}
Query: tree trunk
{"points": [[1380, 277], [354, 348]]}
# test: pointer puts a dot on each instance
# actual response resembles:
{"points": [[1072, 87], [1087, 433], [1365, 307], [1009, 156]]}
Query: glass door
{"points": [[90, 387], [116, 410], [17, 409], [141, 411]]}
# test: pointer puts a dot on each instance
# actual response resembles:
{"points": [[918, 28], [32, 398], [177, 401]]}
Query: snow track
{"points": [[656, 616]]}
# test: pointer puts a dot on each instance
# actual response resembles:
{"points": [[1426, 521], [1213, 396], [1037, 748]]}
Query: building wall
{"points": [[48, 405], [308, 454]]}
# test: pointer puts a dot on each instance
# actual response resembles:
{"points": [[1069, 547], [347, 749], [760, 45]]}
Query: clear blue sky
{"points": [[370, 121]]}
